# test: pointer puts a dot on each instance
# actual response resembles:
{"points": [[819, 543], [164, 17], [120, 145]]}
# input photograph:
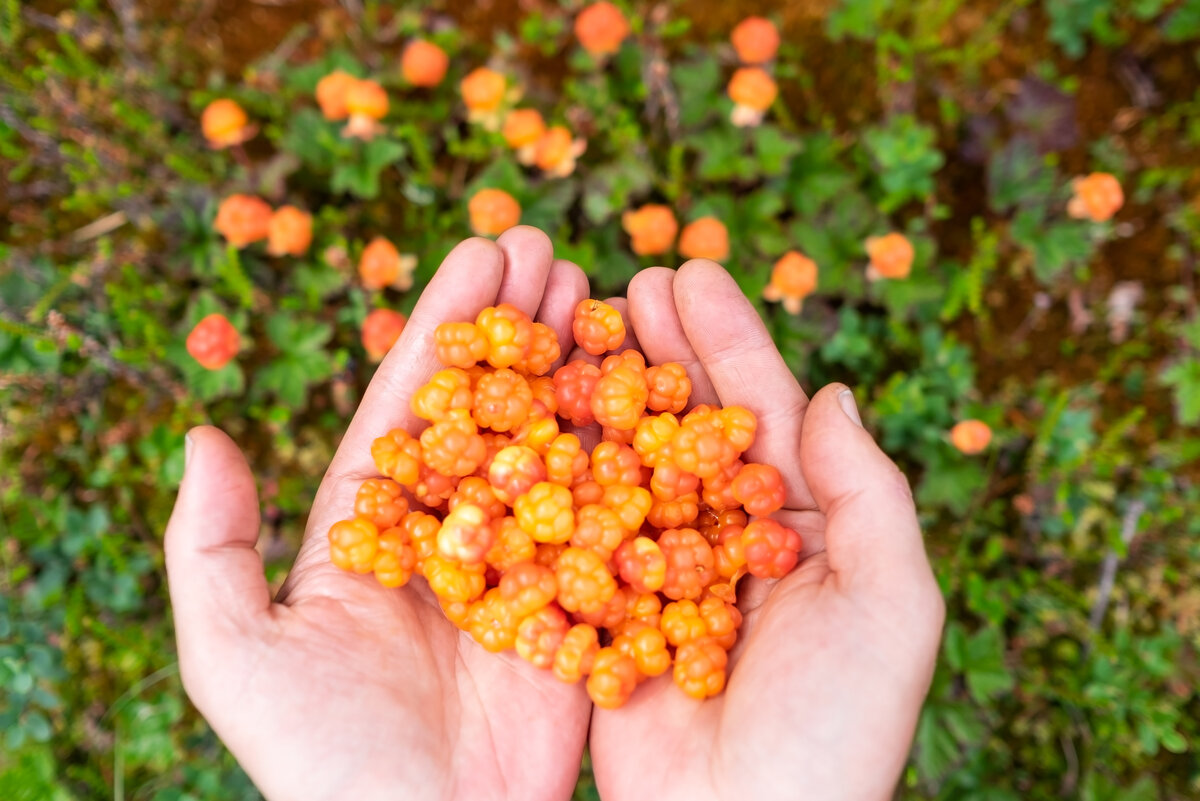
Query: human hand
{"points": [[832, 662], [342, 688]]}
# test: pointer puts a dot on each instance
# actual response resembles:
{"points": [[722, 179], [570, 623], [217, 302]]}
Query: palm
{"points": [[342, 688]]}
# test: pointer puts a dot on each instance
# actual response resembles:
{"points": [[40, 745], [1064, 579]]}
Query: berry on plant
{"points": [[381, 265], [243, 220], [366, 104], [289, 232], [755, 39], [492, 212], [1097, 197], [971, 436], [704, 238], [213, 342], [752, 91], [224, 123], [600, 29], [793, 278], [332, 91], [891, 256], [423, 63], [651, 228], [380, 330], [483, 91], [523, 128], [556, 152]]}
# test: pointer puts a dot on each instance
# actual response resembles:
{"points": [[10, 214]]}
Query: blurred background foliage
{"points": [[1068, 551]]}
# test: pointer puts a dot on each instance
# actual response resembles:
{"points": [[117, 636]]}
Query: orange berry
{"points": [[493, 211], [243, 219], [759, 488], [513, 545], [738, 425], [971, 436], [1097, 197], [584, 583], [891, 256], [527, 587], [478, 492], [756, 40], [700, 447], [213, 342], [689, 563], [556, 151], [574, 384], [670, 387], [452, 581], [502, 400], [289, 232], [224, 123], [483, 89], [653, 435], [542, 387], [466, 534], [721, 619], [366, 103], [381, 501], [433, 489], [423, 63], [514, 472], [542, 354], [705, 238], [674, 513], [669, 482], [395, 558], [493, 623], [457, 612], [700, 668], [523, 127], [600, 28], [641, 564], [353, 543], [682, 623], [619, 398], [613, 678], [771, 549], [446, 391], [598, 529], [460, 345], [421, 529], [610, 614], [575, 655], [397, 455], [597, 326], [793, 278], [380, 331], [642, 607], [509, 332], [646, 646], [381, 265], [651, 229], [587, 491], [631, 504], [753, 88], [614, 463], [452, 446], [332, 91], [729, 552], [546, 513], [717, 493], [537, 433], [540, 636]]}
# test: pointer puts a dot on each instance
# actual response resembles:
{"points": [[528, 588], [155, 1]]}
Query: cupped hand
{"points": [[834, 660], [341, 688]]}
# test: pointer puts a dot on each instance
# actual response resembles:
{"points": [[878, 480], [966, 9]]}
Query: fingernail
{"points": [[187, 449], [846, 399]]}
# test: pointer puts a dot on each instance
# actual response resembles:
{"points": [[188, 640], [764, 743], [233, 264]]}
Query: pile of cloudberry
{"points": [[616, 562]]}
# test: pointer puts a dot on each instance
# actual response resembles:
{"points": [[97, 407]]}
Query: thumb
{"points": [[871, 535], [218, 588]]}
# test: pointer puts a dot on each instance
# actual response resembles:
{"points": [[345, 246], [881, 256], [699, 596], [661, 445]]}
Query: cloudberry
{"points": [[453, 446], [353, 543], [331, 94], [700, 668], [527, 587], [759, 488], [793, 278], [482, 92], [478, 491], [574, 384], [600, 28], [647, 647], [243, 220], [523, 127], [626, 358], [971, 436], [619, 398], [689, 563], [289, 232], [1097, 197], [542, 387], [224, 123], [651, 229], [700, 447], [653, 435], [739, 425], [493, 623], [446, 391], [452, 581], [540, 635], [598, 529], [398, 456], [495, 443], [381, 501], [424, 63], [613, 678], [395, 559], [631, 504], [547, 553], [466, 534], [729, 553], [675, 513], [670, 483], [513, 545], [705, 238], [213, 342], [546, 513], [433, 489], [421, 529], [584, 583], [366, 104], [380, 330], [493, 211], [460, 345], [502, 400], [891, 256], [610, 614], [509, 332], [771, 549], [514, 471], [752, 90], [717, 492], [574, 657], [614, 463], [457, 612], [556, 153], [721, 620], [682, 622], [537, 433], [597, 326], [643, 607], [381, 265], [755, 39], [641, 564], [543, 352], [669, 387]]}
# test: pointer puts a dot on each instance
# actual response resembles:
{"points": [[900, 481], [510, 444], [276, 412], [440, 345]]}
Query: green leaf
{"points": [[362, 176]]}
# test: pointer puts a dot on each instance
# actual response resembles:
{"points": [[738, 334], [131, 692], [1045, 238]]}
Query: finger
{"points": [[745, 367], [872, 535], [528, 256], [656, 323], [566, 285], [631, 341], [216, 580]]}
